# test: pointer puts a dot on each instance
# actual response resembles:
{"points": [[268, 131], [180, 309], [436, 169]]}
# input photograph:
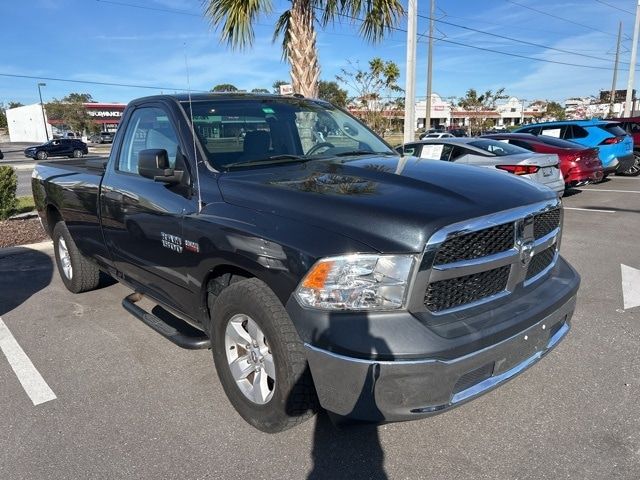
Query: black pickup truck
{"points": [[320, 267]]}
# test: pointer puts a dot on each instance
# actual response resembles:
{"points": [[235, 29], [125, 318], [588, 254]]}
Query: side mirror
{"points": [[153, 163]]}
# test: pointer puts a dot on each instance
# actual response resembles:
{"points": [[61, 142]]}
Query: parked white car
{"points": [[539, 167]]}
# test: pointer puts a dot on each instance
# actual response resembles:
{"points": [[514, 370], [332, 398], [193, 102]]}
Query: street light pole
{"points": [[44, 117], [410, 73], [632, 66]]}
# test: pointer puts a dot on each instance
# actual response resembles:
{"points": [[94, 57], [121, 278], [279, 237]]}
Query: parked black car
{"points": [[335, 273], [61, 147], [1, 155], [102, 137]]}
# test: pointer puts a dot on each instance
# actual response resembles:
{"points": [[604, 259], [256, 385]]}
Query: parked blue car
{"points": [[614, 145]]}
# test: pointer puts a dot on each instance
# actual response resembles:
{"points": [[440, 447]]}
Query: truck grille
{"points": [[474, 261], [545, 223], [454, 292], [540, 261], [476, 244]]}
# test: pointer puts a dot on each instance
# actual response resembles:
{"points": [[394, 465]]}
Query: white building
{"points": [[27, 124]]}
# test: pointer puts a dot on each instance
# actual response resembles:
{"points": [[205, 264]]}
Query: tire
{"points": [[78, 273], [633, 170], [41, 155], [290, 397], [77, 153]]}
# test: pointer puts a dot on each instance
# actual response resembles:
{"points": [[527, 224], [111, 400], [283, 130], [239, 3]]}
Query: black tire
{"points": [[77, 153], [294, 398], [41, 155], [85, 275], [633, 170]]}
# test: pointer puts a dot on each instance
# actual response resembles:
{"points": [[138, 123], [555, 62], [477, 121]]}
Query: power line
{"points": [[157, 9], [524, 42], [542, 12], [90, 82], [617, 8]]}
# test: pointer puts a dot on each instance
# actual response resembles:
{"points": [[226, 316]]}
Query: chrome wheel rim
{"points": [[65, 259], [250, 359]]}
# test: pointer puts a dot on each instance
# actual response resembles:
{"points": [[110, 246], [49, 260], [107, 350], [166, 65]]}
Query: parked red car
{"points": [[579, 165], [632, 126]]}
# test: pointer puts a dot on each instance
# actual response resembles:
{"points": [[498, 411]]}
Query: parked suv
{"points": [[614, 145], [632, 126], [102, 137], [61, 147]]}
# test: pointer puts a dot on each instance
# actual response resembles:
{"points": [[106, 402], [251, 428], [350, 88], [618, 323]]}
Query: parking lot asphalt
{"points": [[130, 404]]}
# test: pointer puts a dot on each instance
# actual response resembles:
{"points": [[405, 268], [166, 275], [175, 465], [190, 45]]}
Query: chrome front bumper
{"points": [[403, 390]]}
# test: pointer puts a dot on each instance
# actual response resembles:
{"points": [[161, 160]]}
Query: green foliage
{"points": [[8, 186], [555, 110], [225, 87], [376, 90], [331, 92], [71, 111], [259, 90], [478, 105], [15, 104]]}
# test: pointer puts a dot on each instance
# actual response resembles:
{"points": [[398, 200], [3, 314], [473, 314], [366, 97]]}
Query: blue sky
{"points": [[101, 41]]}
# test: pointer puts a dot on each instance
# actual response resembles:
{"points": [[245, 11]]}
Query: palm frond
{"points": [[378, 17], [282, 28], [235, 19]]}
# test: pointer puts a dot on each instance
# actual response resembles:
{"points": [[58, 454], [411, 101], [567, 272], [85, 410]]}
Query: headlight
{"points": [[357, 282]]}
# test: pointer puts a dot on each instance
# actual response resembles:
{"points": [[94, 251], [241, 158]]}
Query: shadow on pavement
{"points": [[22, 275], [352, 449]]}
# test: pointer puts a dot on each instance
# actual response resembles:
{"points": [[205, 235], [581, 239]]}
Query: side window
{"points": [[531, 130], [148, 127], [410, 149], [577, 132], [457, 153], [446, 152], [554, 131]]}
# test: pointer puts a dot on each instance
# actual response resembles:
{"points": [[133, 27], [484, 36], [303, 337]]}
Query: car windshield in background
{"points": [[261, 131], [497, 148], [614, 129]]}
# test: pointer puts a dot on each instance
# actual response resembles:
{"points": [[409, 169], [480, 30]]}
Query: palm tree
{"points": [[297, 26]]}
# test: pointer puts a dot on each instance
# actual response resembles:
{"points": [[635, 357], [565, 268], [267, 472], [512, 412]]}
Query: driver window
{"points": [[320, 132], [148, 127]]}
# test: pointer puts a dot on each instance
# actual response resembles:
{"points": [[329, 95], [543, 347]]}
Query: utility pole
{"points": [[410, 83], [44, 117], [427, 119], [615, 73], [632, 67]]}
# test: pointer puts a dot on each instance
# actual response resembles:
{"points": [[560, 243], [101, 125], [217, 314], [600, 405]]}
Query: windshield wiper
{"points": [[361, 152], [274, 159]]}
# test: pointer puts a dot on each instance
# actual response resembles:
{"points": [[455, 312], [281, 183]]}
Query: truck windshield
{"points": [[247, 132]]}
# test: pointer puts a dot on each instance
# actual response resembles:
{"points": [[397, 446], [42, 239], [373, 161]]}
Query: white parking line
{"points": [[590, 210], [603, 190], [31, 380]]}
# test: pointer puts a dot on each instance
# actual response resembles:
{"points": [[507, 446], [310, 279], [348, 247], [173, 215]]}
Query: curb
{"points": [[21, 249]]}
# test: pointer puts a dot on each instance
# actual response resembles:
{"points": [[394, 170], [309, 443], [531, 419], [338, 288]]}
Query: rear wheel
{"points": [[78, 273], [260, 358], [41, 155], [77, 153], [633, 170]]}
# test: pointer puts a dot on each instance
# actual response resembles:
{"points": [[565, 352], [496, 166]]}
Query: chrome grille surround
{"points": [[519, 257]]}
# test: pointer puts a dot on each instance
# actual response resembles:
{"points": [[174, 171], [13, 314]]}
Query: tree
{"points": [[479, 105], [331, 92], [15, 105], [225, 87], [556, 111], [374, 102], [73, 113], [259, 90], [79, 98], [297, 27]]}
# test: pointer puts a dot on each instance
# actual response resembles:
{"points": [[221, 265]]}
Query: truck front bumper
{"points": [[374, 390]]}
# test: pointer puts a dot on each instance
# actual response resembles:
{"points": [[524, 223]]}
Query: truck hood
{"points": [[390, 203]]}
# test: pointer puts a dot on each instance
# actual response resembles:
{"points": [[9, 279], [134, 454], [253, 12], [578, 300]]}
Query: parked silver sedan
{"points": [[482, 152]]}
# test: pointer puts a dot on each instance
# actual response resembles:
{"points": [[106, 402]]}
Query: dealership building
{"points": [[27, 123]]}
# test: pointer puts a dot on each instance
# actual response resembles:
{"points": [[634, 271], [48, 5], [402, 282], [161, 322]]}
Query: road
{"points": [[129, 404]]}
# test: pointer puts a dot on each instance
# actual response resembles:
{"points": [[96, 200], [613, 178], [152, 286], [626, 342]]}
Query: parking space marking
{"points": [[590, 210], [31, 380], [630, 286], [602, 190]]}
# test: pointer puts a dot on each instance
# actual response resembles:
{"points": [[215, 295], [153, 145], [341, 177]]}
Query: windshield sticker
{"points": [[432, 151], [552, 132], [268, 110]]}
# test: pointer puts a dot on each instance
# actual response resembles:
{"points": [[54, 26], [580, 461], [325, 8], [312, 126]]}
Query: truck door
{"points": [[142, 218]]}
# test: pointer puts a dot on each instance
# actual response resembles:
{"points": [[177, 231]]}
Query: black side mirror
{"points": [[153, 163]]}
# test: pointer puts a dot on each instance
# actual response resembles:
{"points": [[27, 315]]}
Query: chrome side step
{"points": [[180, 332]]}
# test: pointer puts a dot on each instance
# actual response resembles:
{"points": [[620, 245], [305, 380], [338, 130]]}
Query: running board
{"points": [[180, 333]]}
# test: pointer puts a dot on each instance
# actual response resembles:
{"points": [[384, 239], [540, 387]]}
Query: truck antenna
{"points": [[193, 131]]}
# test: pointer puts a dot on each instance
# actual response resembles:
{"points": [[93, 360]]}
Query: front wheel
{"points": [[78, 273], [260, 358], [633, 170], [41, 155], [77, 153]]}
